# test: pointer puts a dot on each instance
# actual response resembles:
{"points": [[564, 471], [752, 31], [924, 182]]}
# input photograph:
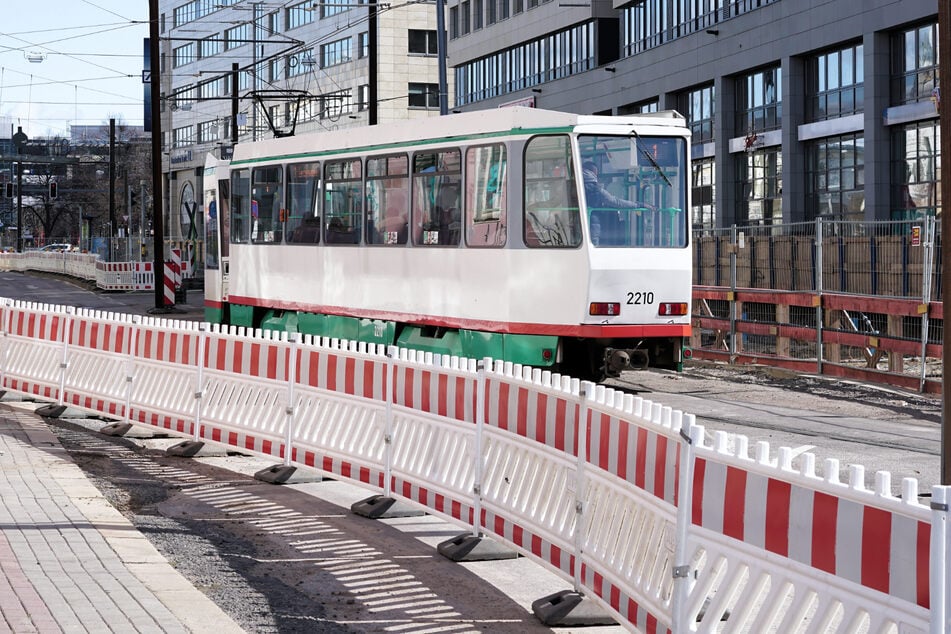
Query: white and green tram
{"points": [[544, 238]]}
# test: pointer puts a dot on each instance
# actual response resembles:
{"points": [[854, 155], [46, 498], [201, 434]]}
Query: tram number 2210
{"points": [[638, 298]]}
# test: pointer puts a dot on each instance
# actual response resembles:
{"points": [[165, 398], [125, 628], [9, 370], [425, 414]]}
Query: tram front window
{"points": [[635, 190]]}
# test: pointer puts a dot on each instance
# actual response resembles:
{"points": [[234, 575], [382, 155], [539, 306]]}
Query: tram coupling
{"points": [[616, 360]]}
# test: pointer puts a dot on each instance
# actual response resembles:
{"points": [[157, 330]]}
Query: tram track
{"points": [[880, 428]]}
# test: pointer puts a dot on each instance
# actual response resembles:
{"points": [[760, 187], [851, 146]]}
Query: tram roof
{"points": [[434, 129]]}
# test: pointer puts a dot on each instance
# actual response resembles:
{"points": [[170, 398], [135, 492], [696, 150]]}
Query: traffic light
{"points": [[53, 191], [8, 190]]}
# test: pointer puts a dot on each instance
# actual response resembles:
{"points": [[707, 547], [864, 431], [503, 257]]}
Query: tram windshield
{"points": [[635, 190]]}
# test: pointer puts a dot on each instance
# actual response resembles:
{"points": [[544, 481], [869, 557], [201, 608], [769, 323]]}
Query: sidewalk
{"points": [[70, 562]]}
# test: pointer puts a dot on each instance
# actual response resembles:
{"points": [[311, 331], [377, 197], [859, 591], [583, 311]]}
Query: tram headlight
{"points": [[604, 308], [671, 309]]}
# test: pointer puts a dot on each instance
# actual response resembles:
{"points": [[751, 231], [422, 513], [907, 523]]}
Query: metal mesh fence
{"points": [[780, 278], [888, 259]]}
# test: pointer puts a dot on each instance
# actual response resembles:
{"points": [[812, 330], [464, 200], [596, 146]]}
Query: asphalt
{"points": [[69, 561]]}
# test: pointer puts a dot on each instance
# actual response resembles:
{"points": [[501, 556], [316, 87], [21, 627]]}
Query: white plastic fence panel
{"points": [[33, 348], [245, 398], [778, 549], [96, 376], [433, 431], [164, 366], [616, 504]]}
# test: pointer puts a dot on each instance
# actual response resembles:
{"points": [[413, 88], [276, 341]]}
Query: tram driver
{"points": [[604, 208]]}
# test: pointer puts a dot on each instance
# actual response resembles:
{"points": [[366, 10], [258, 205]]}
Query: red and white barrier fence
{"points": [[109, 276], [620, 495]]}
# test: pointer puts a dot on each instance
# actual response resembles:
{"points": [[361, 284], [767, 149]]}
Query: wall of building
{"points": [[784, 33]]}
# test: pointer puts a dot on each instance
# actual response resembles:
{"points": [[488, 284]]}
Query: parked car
{"points": [[57, 247]]}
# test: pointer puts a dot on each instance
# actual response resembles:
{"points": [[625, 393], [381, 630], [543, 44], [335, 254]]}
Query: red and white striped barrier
{"points": [[172, 277], [124, 276], [617, 494]]}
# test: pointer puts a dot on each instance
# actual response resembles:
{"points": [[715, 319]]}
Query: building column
{"points": [[724, 124], [794, 153], [877, 158]]}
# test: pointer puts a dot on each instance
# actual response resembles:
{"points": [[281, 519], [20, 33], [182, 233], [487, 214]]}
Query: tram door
{"points": [[224, 232]]}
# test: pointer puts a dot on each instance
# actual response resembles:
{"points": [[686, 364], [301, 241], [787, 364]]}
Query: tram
{"points": [[545, 238]]}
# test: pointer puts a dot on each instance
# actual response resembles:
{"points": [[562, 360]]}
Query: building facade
{"points": [[800, 109], [240, 70]]}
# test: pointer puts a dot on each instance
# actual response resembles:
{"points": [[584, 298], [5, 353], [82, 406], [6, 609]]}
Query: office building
{"points": [[299, 67], [800, 109]]}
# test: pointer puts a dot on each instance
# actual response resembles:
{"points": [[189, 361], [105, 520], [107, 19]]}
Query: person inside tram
{"points": [[447, 215], [604, 207]]}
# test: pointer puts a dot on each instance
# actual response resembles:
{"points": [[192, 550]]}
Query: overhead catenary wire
{"points": [[49, 42]]}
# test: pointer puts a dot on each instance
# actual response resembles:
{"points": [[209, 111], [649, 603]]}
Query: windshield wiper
{"points": [[637, 142]]}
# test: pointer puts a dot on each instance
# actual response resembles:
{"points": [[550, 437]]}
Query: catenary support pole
{"points": [[158, 205], [944, 117]]}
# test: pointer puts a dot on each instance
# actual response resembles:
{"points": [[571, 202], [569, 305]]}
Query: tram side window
{"points": [[486, 214], [267, 205], [241, 206], [303, 214], [552, 217], [388, 200], [343, 201], [437, 186]]}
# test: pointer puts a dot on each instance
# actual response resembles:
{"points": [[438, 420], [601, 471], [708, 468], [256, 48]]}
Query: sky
{"points": [[88, 64]]}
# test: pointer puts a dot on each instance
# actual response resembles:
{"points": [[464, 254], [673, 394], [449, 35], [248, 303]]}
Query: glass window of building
{"points": [[704, 193], [423, 42], [208, 131], [916, 170], [641, 107], [915, 64], [835, 178], [299, 14], [334, 53], [835, 83], [210, 46], [643, 26], [477, 9], [184, 55], [503, 12], [453, 22], [363, 97], [759, 199], [337, 104], [423, 95], [363, 45], [300, 63], [237, 36], [555, 55], [698, 106], [465, 16], [759, 101], [328, 9]]}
